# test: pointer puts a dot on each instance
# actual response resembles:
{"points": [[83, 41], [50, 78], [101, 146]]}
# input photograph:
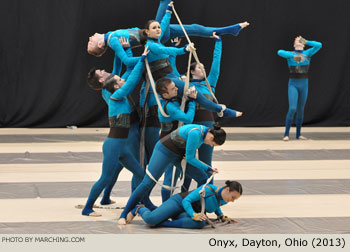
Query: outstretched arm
{"points": [[215, 65], [133, 79], [162, 9], [285, 54], [158, 48], [164, 25]]}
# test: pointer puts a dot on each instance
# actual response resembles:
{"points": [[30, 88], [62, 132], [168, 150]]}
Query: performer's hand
{"points": [[215, 36], [170, 6], [124, 42], [190, 47], [215, 170], [238, 114], [146, 51], [244, 24], [193, 94], [182, 77], [199, 217], [230, 220], [175, 41], [302, 40]]}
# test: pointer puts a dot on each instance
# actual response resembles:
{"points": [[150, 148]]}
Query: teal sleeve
{"points": [[164, 25], [106, 95], [128, 71], [218, 211], [158, 48], [126, 74], [130, 84], [215, 65], [190, 198], [316, 46], [177, 114], [128, 52], [192, 145], [172, 61], [120, 52], [285, 54], [117, 65]]}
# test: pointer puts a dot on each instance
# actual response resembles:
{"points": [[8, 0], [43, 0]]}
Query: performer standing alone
{"points": [[298, 63]]}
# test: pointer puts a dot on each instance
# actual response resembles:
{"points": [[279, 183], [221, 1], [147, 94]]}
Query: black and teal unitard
{"points": [[298, 83], [158, 56], [114, 151], [136, 38], [204, 116], [169, 124], [182, 210], [123, 55], [133, 144]]}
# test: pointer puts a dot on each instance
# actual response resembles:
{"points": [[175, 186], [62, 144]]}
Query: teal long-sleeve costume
{"points": [[298, 64], [204, 116], [181, 210], [136, 38], [114, 151], [158, 59], [169, 124], [170, 150]]}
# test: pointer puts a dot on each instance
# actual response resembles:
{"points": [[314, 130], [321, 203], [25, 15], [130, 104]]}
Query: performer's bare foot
{"points": [[121, 221], [129, 218], [94, 214], [131, 215], [302, 138], [286, 138]]}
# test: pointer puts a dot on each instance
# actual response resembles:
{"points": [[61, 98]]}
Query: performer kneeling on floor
{"points": [[184, 208]]}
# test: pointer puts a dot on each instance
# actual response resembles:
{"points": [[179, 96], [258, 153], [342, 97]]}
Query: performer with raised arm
{"points": [[99, 42], [204, 116], [114, 151], [298, 64], [160, 66], [97, 80]]}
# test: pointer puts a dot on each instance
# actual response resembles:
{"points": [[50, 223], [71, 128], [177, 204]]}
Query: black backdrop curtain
{"points": [[44, 62]]}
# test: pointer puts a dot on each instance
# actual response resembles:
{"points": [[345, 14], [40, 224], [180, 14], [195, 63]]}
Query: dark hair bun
{"points": [[217, 126], [234, 186]]}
